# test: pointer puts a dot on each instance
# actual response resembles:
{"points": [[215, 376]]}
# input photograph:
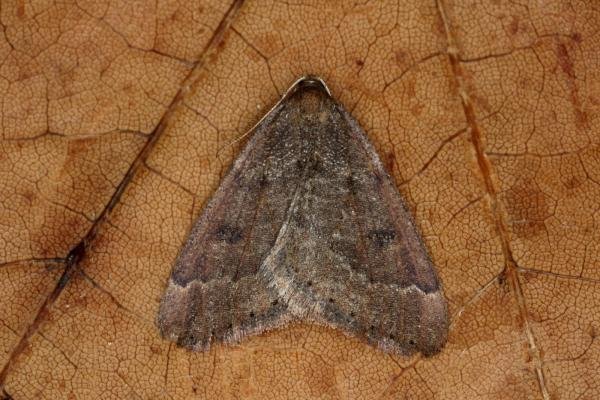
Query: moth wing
{"points": [[407, 311], [351, 256], [214, 292]]}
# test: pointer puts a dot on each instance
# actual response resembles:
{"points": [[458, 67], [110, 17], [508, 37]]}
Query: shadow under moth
{"points": [[307, 225]]}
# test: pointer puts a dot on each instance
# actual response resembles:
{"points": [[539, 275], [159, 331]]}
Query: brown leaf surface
{"points": [[116, 124]]}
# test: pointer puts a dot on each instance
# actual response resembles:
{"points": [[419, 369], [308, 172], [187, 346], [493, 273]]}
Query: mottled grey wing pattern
{"points": [[307, 225], [215, 292]]}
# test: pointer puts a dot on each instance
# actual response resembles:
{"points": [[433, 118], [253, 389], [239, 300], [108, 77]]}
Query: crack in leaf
{"points": [[487, 172], [78, 252]]}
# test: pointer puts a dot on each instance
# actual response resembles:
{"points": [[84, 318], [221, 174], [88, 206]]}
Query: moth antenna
{"points": [[306, 81]]}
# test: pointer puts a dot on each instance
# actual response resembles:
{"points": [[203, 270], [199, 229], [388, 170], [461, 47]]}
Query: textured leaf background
{"points": [[116, 120]]}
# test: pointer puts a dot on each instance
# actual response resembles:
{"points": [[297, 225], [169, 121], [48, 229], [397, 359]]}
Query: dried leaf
{"points": [[117, 124]]}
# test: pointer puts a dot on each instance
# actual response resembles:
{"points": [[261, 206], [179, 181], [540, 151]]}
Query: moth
{"points": [[307, 225]]}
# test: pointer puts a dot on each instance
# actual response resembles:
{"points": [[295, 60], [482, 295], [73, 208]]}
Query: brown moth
{"points": [[307, 225]]}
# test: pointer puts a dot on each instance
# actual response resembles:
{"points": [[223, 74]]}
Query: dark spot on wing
{"points": [[228, 233], [263, 181], [382, 237], [351, 182], [316, 166]]}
